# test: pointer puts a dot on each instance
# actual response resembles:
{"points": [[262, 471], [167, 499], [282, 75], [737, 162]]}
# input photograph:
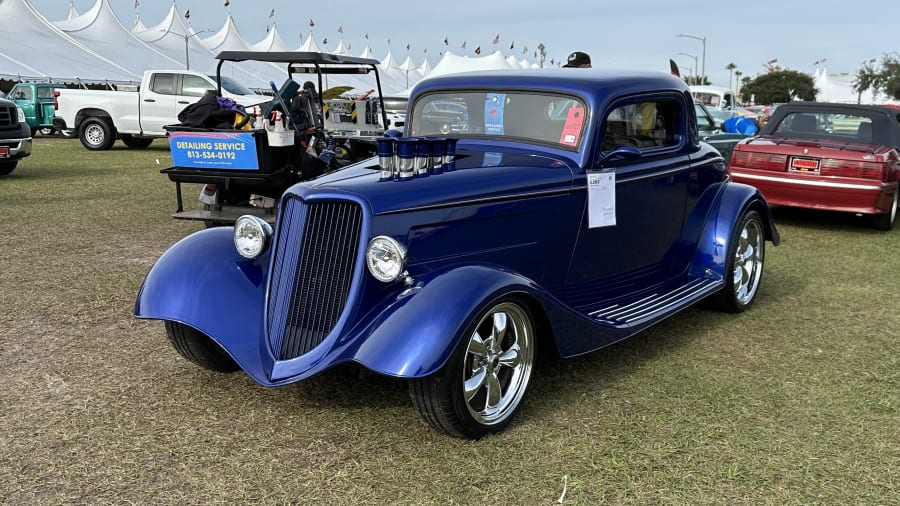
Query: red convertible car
{"points": [[838, 157]]}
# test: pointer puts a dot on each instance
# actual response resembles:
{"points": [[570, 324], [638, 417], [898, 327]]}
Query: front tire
{"points": [[483, 384], [96, 134], [6, 168], [198, 348], [744, 267]]}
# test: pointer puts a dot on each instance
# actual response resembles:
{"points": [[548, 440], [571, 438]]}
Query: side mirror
{"points": [[620, 153]]}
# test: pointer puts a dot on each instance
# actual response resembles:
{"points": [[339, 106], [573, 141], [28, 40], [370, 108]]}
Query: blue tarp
{"points": [[740, 125]]}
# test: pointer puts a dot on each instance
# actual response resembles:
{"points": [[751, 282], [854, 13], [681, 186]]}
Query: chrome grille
{"points": [[311, 274], [8, 117]]}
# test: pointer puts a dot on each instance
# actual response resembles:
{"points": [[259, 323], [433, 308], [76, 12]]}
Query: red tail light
{"points": [[761, 161], [55, 100], [852, 168]]}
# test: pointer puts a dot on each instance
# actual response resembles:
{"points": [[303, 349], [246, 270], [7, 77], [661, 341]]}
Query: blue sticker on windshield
{"points": [[493, 113]]}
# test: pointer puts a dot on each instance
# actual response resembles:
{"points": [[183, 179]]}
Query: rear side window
{"points": [[643, 125], [45, 92], [164, 84]]}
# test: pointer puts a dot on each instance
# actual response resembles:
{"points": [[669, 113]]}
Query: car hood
{"points": [[479, 174]]}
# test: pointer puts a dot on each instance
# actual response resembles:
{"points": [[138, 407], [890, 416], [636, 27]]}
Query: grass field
{"points": [[796, 401]]}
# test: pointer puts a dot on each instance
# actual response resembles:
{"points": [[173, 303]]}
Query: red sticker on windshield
{"points": [[572, 128]]}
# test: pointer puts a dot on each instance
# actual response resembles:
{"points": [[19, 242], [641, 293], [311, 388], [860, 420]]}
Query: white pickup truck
{"points": [[99, 117]]}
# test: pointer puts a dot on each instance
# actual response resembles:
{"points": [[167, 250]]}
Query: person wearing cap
{"points": [[578, 60]]}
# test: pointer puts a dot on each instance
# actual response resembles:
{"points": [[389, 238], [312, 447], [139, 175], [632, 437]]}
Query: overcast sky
{"points": [[639, 34]]}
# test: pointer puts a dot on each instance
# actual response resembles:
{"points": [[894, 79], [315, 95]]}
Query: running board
{"points": [[657, 305]]}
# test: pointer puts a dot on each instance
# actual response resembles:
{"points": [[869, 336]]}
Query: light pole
{"points": [[696, 67], [186, 36], [703, 40]]}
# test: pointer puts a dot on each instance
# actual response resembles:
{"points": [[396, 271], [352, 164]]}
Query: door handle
{"points": [[149, 100], [183, 102]]}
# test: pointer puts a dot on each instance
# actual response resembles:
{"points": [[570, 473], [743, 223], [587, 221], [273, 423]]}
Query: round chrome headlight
{"points": [[251, 235], [385, 258]]}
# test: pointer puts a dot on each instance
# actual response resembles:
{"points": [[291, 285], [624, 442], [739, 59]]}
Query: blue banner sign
{"points": [[214, 150]]}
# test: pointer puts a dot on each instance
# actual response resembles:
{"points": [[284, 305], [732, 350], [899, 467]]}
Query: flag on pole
{"points": [[341, 29], [367, 36], [325, 40], [512, 44], [348, 45], [425, 50], [463, 46], [524, 49], [311, 23], [187, 14], [478, 50], [389, 41], [496, 39], [445, 40], [407, 47], [272, 13], [673, 68], [136, 3], [227, 3]]}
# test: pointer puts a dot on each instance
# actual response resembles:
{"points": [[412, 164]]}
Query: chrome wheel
{"points": [[748, 261], [94, 135], [498, 363], [483, 384]]}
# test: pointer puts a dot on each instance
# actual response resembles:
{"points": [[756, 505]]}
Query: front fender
{"points": [[417, 333], [734, 199], [203, 282]]}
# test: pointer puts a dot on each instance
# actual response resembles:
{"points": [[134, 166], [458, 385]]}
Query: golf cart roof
{"points": [[295, 57]]}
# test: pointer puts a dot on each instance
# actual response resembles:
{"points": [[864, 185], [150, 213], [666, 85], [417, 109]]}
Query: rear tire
{"points": [[886, 221], [483, 384], [48, 131], [744, 267], [198, 348], [136, 142], [96, 134], [7, 167]]}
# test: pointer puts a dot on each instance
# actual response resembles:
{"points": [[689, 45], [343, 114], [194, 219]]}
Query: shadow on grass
{"points": [[815, 219]]}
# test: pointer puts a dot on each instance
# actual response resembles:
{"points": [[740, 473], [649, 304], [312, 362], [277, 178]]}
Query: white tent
{"points": [[452, 63], [272, 42], [99, 29], [28, 35], [839, 88], [310, 45]]}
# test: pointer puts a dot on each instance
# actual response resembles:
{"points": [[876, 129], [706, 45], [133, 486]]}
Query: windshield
{"points": [[234, 87], [544, 118], [709, 99]]}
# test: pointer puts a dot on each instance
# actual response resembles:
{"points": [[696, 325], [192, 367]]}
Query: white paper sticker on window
{"points": [[601, 199]]}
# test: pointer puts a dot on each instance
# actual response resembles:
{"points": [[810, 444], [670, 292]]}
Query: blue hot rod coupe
{"points": [[554, 212]]}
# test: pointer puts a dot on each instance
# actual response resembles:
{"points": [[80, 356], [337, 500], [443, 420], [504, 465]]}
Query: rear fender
{"points": [[415, 336], [204, 283], [733, 201]]}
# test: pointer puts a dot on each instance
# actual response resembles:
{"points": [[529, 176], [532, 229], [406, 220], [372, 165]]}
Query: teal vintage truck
{"points": [[36, 100]]}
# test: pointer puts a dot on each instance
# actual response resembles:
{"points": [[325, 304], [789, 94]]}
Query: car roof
{"points": [[597, 85], [885, 121]]}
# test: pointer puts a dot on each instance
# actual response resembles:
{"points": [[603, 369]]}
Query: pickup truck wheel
{"points": [[198, 348], [744, 267], [482, 385], [7, 167], [886, 221], [68, 134], [136, 142], [96, 134], [47, 131]]}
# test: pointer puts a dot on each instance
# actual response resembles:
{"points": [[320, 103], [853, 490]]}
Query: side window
{"points": [[194, 86], [643, 125], [45, 92], [164, 84], [21, 93]]}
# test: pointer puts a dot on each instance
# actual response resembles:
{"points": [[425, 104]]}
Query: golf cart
{"points": [[247, 158]]}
